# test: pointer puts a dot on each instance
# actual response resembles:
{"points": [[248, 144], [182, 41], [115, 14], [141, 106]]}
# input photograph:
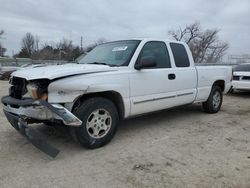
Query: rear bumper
{"points": [[39, 110]]}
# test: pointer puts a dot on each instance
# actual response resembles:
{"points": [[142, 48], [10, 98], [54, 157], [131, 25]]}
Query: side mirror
{"points": [[148, 61]]}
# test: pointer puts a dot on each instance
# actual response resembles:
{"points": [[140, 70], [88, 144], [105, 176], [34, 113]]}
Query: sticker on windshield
{"points": [[121, 48]]}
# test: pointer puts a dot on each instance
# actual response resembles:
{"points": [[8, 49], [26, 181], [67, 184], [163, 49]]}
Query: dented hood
{"points": [[57, 71]]}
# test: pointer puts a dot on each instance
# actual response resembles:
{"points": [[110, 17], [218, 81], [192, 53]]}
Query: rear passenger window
{"points": [[157, 50], [180, 55]]}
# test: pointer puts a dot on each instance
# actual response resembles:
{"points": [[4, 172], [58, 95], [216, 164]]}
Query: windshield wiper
{"points": [[98, 63], [101, 63]]}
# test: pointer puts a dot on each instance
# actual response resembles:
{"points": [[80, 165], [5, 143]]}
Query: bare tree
{"points": [[28, 45], [92, 46], [204, 44], [63, 50], [65, 44], [45, 53], [101, 41], [1, 33]]}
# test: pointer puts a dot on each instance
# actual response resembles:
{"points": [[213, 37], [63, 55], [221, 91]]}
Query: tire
{"points": [[100, 120], [214, 101]]}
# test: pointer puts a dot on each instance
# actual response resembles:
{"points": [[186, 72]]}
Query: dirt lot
{"points": [[182, 147]]}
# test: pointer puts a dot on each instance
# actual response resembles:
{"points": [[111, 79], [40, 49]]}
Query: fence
{"points": [[18, 62], [238, 59]]}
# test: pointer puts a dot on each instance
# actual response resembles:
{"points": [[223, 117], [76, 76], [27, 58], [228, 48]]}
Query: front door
{"points": [[153, 88]]}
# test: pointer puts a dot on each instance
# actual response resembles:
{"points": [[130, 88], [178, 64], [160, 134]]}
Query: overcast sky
{"points": [[115, 19]]}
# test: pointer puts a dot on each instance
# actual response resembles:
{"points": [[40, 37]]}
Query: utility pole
{"points": [[81, 45]]}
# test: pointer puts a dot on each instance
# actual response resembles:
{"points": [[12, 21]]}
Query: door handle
{"points": [[171, 76]]}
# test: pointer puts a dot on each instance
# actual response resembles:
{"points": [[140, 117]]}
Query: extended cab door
{"points": [[153, 88], [185, 72]]}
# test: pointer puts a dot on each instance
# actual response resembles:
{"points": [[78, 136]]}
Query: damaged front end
{"points": [[27, 103]]}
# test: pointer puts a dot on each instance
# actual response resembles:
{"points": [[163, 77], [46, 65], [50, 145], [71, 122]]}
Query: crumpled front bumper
{"points": [[20, 112], [39, 110], [34, 136]]}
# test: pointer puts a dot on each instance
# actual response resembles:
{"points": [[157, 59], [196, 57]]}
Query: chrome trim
{"points": [[160, 98], [154, 99], [190, 93]]}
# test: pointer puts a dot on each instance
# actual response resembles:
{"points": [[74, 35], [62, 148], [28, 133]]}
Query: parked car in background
{"points": [[30, 65], [5, 72], [241, 77]]}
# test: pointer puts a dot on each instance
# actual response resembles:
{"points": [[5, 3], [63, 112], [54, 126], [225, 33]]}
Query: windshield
{"points": [[116, 53]]}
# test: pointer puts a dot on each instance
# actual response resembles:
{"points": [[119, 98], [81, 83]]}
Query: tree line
{"points": [[63, 50], [205, 45]]}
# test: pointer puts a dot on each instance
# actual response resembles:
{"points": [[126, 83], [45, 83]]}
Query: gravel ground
{"points": [[181, 147]]}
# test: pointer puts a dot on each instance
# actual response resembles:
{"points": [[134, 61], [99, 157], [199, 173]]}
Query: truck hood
{"points": [[57, 71]]}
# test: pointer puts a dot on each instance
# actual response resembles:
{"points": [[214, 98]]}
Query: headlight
{"points": [[32, 90], [36, 92]]}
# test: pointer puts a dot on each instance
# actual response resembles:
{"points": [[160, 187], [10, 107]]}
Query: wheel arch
{"points": [[113, 96], [220, 83]]}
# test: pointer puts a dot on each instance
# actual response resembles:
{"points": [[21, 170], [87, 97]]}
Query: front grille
{"points": [[246, 78], [236, 77], [18, 88]]}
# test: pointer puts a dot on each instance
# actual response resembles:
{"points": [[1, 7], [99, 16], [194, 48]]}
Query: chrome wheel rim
{"points": [[216, 99], [99, 123]]}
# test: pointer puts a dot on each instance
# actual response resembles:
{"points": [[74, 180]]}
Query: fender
{"points": [[69, 89]]}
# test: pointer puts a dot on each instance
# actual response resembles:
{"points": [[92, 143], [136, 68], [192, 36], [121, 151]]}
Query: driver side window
{"points": [[157, 50]]}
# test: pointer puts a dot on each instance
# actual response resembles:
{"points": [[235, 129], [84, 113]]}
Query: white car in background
{"points": [[6, 71], [241, 77]]}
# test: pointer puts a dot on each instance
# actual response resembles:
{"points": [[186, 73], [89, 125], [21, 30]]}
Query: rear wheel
{"points": [[99, 118], [214, 101]]}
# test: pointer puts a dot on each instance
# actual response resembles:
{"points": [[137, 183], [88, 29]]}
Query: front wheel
{"points": [[214, 101], [99, 118]]}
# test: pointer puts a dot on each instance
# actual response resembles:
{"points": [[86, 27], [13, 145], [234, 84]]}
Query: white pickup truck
{"points": [[116, 80]]}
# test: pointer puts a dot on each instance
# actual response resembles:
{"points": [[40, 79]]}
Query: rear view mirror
{"points": [[148, 61]]}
